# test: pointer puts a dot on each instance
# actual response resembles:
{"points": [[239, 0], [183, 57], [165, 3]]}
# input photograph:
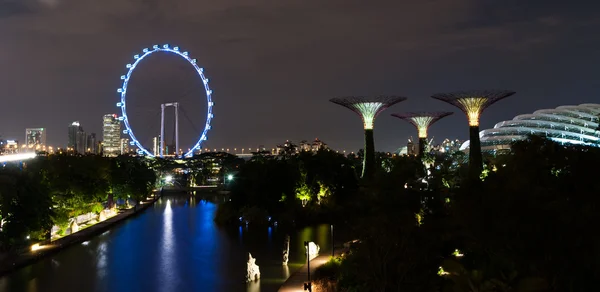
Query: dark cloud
{"points": [[274, 64], [9, 8]]}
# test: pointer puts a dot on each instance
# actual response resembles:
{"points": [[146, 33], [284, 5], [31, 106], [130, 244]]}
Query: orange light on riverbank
{"points": [[37, 246]]}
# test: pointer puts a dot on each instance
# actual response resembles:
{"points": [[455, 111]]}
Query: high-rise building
{"points": [[77, 137], [111, 135], [81, 146], [92, 144], [35, 136], [124, 145], [155, 145]]}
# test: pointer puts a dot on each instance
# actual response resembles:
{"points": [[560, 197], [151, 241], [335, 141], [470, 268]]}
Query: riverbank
{"points": [[29, 256], [295, 283]]}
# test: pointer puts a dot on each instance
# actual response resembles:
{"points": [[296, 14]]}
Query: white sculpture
{"points": [[286, 250], [313, 250], [253, 270], [102, 216], [74, 226]]}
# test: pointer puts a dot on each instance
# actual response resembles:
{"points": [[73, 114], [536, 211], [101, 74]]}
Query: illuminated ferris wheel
{"points": [[123, 92]]}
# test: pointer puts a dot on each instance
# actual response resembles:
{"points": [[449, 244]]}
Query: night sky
{"points": [[274, 64]]}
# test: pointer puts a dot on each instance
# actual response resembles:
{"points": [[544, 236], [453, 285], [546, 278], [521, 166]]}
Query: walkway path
{"points": [[27, 257], [295, 283]]}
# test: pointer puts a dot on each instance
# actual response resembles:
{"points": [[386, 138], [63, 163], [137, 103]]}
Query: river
{"points": [[172, 246]]}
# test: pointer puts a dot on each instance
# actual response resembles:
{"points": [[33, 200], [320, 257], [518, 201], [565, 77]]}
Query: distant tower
{"points": [[473, 103], [368, 108], [422, 120], [92, 144], [77, 138]]}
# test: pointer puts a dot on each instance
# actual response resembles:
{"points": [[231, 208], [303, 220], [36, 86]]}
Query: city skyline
{"points": [[260, 79]]}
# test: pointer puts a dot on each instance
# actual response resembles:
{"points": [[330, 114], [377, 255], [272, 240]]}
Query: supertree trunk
{"points": [[369, 159], [422, 143], [475, 157]]}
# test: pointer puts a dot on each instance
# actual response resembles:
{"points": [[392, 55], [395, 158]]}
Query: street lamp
{"points": [[230, 177], [307, 285]]}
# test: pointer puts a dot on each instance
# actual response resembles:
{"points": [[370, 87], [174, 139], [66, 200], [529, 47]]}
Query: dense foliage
{"points": [[290, 188], [49, 190], [526, 225]]}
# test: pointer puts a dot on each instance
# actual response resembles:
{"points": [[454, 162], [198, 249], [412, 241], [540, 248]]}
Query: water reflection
{"points": [[173, 246], [167, 250]]}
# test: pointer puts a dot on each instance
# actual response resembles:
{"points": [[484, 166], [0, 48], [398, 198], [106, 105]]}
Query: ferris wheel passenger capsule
{"points": [[166, 46], [120, 90], [132, 143], [155, 47], [176, 48], [136, 57], [125, 132], [145, 50], [121, 118], [128, 66], [119, 104], [186, 54]]}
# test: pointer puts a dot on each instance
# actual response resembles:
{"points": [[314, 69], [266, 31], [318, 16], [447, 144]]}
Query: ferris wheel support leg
{"points": [[162, 130], [176, 129]]}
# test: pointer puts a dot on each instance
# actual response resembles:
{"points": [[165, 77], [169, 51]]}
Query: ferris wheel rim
{"points": [[123, 93]]}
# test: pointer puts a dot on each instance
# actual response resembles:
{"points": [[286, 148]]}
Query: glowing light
{"points": [[230, 177], [36, 247], [473, 107], [123, 92], [368, 107], [169, 178], [369, 111], [457, 253], [441, 272], [16, 157]]}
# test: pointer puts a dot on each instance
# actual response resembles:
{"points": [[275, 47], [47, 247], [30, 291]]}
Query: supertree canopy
{"points": [[473, 103], [368, 107], [422, 121]]}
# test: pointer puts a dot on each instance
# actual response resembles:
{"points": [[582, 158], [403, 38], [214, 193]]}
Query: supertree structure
{"points": [[422, 121], [368, 107], [473, 103]]}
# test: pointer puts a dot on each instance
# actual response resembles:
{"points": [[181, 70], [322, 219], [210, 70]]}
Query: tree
{"points": [[25, 207]]}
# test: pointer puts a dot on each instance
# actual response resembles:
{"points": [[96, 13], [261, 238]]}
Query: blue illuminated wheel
{"points": [[123, 91]]}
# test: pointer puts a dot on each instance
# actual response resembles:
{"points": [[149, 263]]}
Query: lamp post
{"points": [[307, 285], [332, 244]]}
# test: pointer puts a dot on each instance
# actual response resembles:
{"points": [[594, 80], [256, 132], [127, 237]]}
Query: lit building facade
{"points": [[571, 124], [124, 145], [155, 145], [111, 135], [35, 136], [10, 146]]}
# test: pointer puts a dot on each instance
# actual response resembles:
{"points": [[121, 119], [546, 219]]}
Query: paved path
{"points": [[27, 257], [295, 283]]}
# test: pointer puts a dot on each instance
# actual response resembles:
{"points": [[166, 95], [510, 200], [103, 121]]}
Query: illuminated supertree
{"points": [[422, 121], [368, 107], [473, 103]]}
